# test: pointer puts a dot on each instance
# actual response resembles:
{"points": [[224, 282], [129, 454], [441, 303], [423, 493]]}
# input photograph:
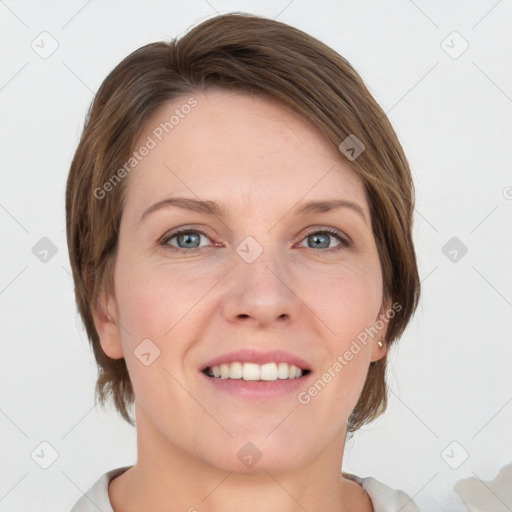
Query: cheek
{"points": [[156, 302], [155, 308], [347, 300]]}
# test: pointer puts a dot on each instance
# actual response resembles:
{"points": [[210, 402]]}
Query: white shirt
{"points": [[384, 499]]}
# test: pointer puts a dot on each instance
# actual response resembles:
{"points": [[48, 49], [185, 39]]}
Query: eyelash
{"points": [[345, 243]]}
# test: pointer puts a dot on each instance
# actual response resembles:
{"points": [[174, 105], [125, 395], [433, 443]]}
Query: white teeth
{"points": [[235, 371], [253, 371], [268, 371], [282, 371], [224, 371]]}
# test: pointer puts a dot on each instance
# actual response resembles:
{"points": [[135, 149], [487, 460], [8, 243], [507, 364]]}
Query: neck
{"points": [[166, 477]]}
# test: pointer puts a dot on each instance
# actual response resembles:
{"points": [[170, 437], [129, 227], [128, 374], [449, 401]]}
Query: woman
{"points": [[239, 218]]}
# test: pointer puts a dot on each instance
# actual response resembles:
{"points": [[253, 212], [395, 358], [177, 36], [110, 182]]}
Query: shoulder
{"points": [[96, 498], [383, 497]]}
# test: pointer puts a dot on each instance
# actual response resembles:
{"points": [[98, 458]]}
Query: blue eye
{"points": [[189, 240], [320, 239], [186, 239]]}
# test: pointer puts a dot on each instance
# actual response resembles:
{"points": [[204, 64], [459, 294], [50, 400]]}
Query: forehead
{"points": [[233, 146]]}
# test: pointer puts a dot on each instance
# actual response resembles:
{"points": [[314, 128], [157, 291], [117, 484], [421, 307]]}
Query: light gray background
{"points": [[450, 374]]}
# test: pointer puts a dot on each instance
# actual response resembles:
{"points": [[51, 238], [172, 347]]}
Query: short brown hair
{"points": [[254, 54]]}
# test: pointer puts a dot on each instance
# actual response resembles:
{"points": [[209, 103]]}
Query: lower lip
{"points": [[262, 389]]}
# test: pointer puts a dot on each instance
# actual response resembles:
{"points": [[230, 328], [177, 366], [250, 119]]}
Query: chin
{"points": [[253, 454]]}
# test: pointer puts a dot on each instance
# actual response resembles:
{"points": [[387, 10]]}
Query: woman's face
{"points": [[255, 275]]}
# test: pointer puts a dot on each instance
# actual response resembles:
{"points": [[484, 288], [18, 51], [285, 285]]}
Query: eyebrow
{"points": [[219, 210]]}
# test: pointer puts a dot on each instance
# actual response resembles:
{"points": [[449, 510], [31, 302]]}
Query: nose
{"points": [[260, 292]]}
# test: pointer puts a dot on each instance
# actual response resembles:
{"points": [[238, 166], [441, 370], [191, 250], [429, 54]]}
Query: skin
{"points": [[259, 159]]}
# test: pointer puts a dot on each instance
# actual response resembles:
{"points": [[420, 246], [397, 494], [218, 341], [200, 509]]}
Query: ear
{"points": [[105, 316], [381, 323]]}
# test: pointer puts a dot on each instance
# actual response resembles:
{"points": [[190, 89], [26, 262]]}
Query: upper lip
{"points": [[249, 355]]}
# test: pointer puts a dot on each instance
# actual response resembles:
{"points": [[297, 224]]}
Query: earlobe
{"points": [[380, 347], [105, 314]]}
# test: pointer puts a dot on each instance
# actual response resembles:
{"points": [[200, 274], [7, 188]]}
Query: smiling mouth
{"points": [[255, 372]]}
